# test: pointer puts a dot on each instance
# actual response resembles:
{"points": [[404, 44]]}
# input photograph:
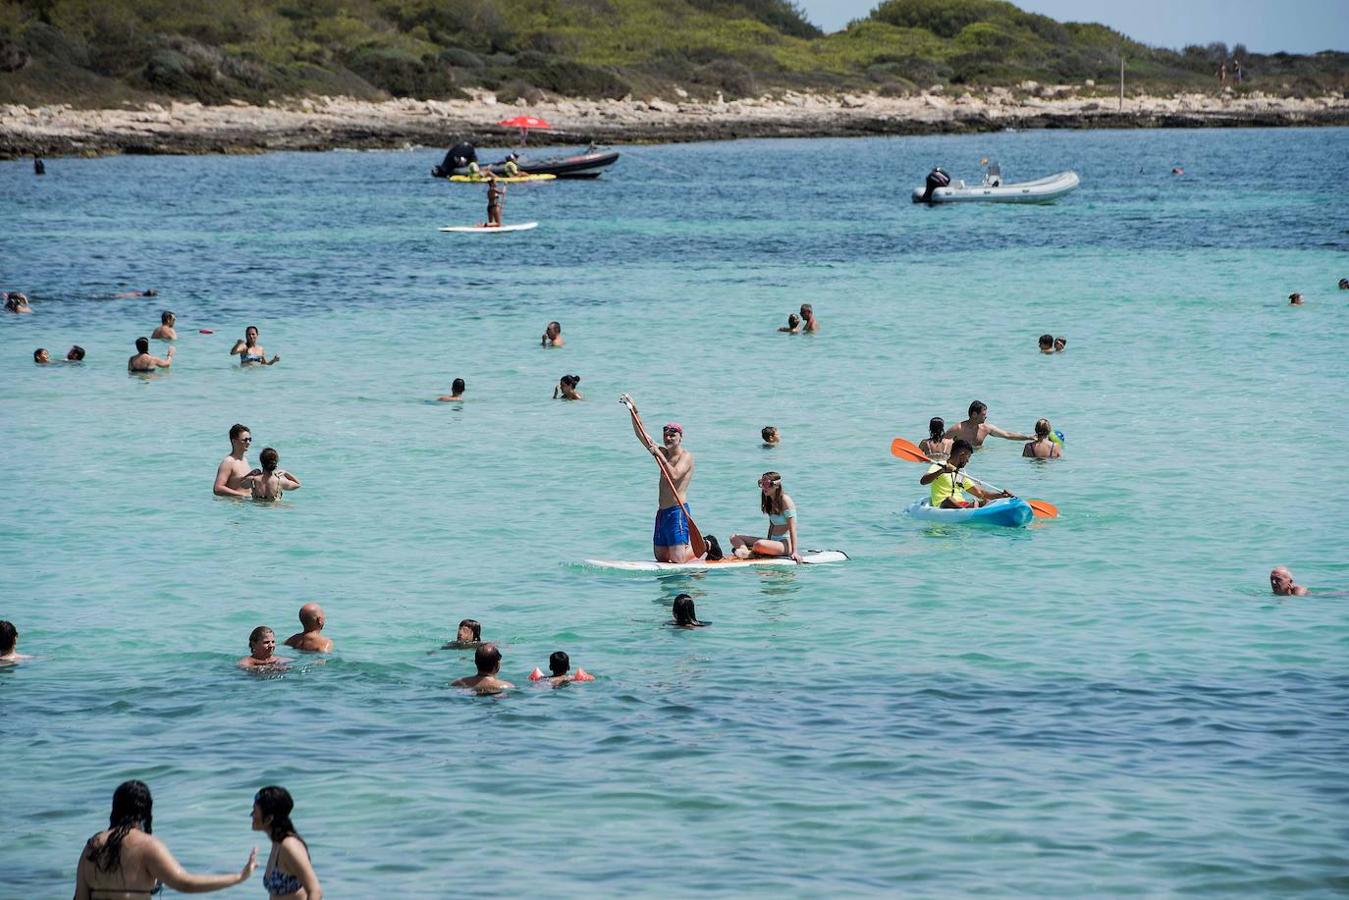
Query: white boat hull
{"points": [[1043, 190]]}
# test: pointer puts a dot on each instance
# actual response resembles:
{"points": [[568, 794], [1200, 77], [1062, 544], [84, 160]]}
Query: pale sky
{"points": [[1264, 26]]}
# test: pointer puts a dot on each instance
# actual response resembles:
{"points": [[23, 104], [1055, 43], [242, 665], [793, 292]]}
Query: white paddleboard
{"points": [[482, 229], [702, 565]]}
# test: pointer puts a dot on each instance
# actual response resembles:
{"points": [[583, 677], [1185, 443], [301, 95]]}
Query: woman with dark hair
{"points": [[781, 512], [468, 637], [934, 445], [126, 862], [685, 616], [269, 482], [289, 874], [456, 392], [566, 388]]}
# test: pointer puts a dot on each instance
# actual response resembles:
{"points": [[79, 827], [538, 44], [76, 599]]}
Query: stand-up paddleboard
{"points": [[702, 565], [505, 179], [483, 229]]}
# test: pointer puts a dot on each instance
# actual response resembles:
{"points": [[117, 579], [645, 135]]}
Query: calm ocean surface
{"points": [[1109, 703]]}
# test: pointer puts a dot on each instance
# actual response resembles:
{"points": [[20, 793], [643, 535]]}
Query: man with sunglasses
{"points": [[670, 541], [229, 478]]}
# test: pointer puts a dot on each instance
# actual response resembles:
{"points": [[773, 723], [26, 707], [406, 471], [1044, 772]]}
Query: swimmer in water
{"points": [[9, 643], [42, 357], [468, 636], [1060, 344], [165, 331], [552, 335], [456, 392], [249, 351], [781, 512], [1344, 284], [793, 325], [558, 666], [262, 650], [685, 616], [269, 482], [17, 303], [488, 662], [289, 871], [809, 324], [976, 428], [1294, 299], [770, 436], [234, 468], [149, 292], [144, 361], [311, 639], [1044, 446], [1281, 582], [1046, 343], [935, 446], [566, 388], [75, 354]]}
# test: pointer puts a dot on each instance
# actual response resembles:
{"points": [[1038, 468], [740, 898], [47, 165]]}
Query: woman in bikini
{"points": [[269, 482], [934, 445], [250, 352], [1044, 446], [289, 874], [126, 862], [781, 511]]}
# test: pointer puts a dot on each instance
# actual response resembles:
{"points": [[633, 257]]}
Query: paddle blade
{"points": [[696, 542], [1043, 509], [907, 450]]}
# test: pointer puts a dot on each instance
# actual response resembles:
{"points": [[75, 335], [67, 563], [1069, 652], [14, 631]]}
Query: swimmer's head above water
{"points": [[770, 435], [1295, 299], [142, 345], [559, 663], [1046, 343], [978, 411], [936, 427], [262, 642], [685, 616], [487, 659], [41, 357], [470, 631], [269, 459]]}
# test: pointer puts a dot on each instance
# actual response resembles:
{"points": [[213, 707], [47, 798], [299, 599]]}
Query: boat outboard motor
{"points": [[459, 156], [935, 179]]}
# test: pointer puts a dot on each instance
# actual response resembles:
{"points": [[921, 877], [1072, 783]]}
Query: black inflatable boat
{"points": [[586, 164]]}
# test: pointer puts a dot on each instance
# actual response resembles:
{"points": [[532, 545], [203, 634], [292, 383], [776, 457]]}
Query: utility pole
{"points": [[1121, 80]]}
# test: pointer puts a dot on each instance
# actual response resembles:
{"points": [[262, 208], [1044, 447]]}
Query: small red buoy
{"points": [[205, 331]]}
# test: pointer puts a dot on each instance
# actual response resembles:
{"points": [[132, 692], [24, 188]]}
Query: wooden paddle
{"points": [[907, 450], [696, 541]]}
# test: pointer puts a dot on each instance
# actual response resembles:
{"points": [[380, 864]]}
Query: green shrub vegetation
{"points": [[95, 52]]}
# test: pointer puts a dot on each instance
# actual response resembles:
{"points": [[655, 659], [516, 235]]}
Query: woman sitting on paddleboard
{"points": [[781, 540], [934, 445]]}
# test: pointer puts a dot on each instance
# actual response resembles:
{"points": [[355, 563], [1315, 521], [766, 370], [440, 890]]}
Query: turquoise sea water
{"points": [[1109, 703]]}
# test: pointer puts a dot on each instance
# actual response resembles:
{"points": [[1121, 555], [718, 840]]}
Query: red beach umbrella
{"points": [[524, 123]]}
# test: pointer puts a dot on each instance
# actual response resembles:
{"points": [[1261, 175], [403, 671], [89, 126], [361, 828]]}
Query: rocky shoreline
{"points": [[327, 123]]}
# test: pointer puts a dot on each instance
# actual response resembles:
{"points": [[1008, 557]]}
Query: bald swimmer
{"points": [[311, 640]]}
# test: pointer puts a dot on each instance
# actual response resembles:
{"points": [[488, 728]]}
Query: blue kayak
{"points": [[1012, 512]]}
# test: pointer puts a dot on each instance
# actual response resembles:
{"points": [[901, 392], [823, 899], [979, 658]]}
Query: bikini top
{"points": [[249, 357], [780, 520], [278, 882]]}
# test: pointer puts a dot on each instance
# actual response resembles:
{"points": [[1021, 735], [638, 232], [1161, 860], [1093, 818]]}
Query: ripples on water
{"points": [[1110, 703]]}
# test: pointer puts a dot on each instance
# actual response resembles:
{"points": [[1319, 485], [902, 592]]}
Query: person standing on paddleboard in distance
{"points": [[670, 541], [495, 194]]}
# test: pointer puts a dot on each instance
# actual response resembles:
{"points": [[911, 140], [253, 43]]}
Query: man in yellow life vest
{"points": [[947, 482], [513, 169]]}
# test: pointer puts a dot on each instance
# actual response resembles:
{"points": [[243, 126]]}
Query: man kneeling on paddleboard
{"points": [[671, 540], [947, 482]]}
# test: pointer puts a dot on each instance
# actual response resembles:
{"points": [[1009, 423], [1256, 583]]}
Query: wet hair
{"points": [[806, 308], [768, 432], [960, 444], [1042, 428], [1060, 342], [1046, 340], [487, 659], [457, 387], [149, 292], [236, 429], [559, 663], [269, 458], [1344, 284], [978, 406], [936, 427], [771, 503], [132, 807], [555, 325], [1294, 297], [683, 611], [275, 803], [142, 345], [475, 625], [256, 634], [793, 320], [9, 636], [165, 316], [37, 354], [76, 353], [250, 328]]}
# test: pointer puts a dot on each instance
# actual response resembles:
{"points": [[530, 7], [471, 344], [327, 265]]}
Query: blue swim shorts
{"points": [[672, 528]]}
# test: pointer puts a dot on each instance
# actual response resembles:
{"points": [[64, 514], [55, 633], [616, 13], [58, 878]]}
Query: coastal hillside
{"points": [[106, 52]]}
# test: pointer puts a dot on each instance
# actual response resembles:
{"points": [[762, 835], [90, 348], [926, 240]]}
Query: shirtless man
{"points": [[1281, 582], [234, 468], [143, 361], [311, 640], [165, 331], [9, 642], [809, 324], [976, 428], [262, 650], [488, 661], [670, 542]]}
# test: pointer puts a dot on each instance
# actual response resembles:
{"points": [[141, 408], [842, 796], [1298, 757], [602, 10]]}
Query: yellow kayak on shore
{"points": [[479, 179]]}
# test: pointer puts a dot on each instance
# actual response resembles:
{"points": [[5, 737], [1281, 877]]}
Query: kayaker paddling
{"points": [[976, 428], [947, 482]]}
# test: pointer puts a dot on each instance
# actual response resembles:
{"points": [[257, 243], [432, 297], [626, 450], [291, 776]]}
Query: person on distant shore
{"points": [[144, 361], [269, 482], [552, 335], [249, 351], [487, 659], [512, 167], [126, 862], [1046, 343], [935, 445], [685, 615], [262, 650], [42, 357], [17, 303], [148, 292], [311, 639], [670, 538], [947, 483], [165, 331], [456, 391], [1281, 582], [976, 428], [75, 353], [289, 871], [770, 436], [781, 512], [809, 324], [234, 468], [496, 193], [1060, 344], [468, 636], [9, 644], [793, 325], [566, 388], [1044, 446], [1295, 299], [559, 664]]}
